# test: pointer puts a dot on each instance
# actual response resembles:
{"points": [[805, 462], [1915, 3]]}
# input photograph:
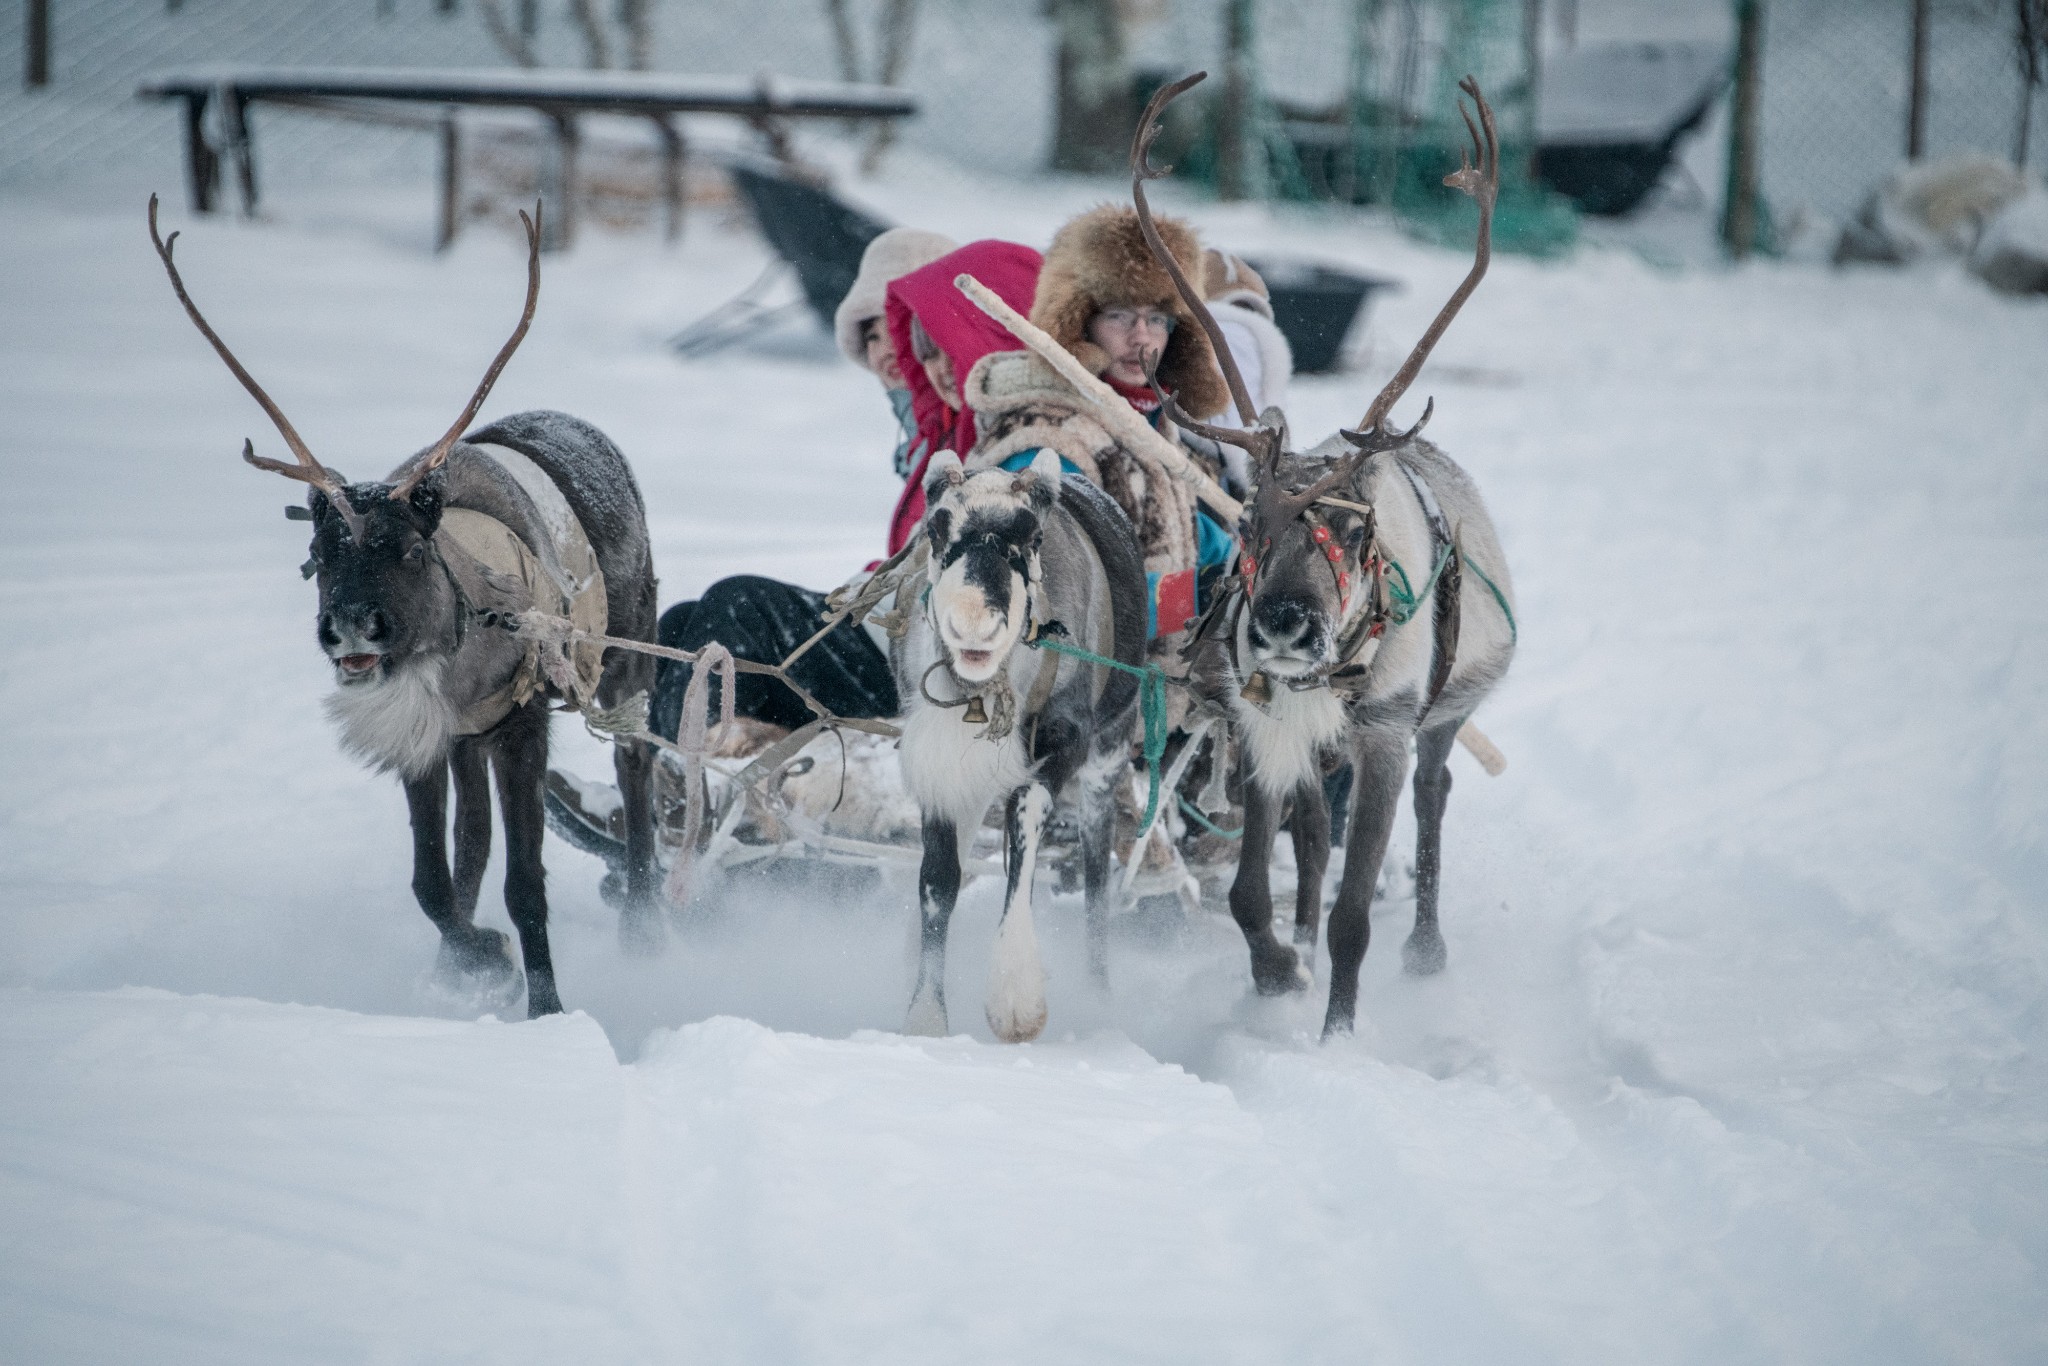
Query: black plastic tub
{"points": [[1316, 307]]}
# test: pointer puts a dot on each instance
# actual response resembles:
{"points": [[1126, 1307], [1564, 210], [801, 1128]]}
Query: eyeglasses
{"points": [[1125, 319]]}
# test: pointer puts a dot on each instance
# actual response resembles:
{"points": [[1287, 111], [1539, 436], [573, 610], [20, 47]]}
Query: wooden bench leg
{"points": [[202, 166], [235, 125], [558, 184], [451, 182], [673, 155]]}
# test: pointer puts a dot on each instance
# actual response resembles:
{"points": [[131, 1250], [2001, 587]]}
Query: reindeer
{"points": [[1014, 558], [415, 573], [1352, 626]]}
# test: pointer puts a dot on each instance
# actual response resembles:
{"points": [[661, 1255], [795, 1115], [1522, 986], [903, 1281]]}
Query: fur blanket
{"points": [[1022, 404]]}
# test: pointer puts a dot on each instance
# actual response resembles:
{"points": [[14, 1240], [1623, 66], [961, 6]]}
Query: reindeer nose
{"points": [[375, 625], [1279, 622]]}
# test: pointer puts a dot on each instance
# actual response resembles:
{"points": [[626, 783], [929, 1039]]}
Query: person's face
{"points": [[1133, 337], [881, 354], [939, 370]]}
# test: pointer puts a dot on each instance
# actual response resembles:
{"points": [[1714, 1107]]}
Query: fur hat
{"points": [[1229, 279], [1099, 261], [895, 253]]}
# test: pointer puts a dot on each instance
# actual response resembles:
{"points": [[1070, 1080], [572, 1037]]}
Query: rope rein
{"points": [[1152, 681]]}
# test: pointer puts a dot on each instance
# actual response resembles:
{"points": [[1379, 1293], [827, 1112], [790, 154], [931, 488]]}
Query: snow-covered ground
{"points": [[1740, 1056]]}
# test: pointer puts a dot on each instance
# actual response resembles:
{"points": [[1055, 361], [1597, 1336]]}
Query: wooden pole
{"points": [[36, 36], [672, 156], [202, 166], [235, 123], [1739, 217], [2033, 16], [1916, 96], [1234, 115], [1532, 59], [451, 182], [558, 182]]}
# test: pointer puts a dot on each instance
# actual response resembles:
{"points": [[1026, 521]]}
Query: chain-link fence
{"points": [[1836, 98]]}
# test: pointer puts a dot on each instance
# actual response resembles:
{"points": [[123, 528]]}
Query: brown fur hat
{"points": [[1100, 260]]}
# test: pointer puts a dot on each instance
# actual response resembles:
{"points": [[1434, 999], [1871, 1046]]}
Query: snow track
{"points": [[1739, 1057]]}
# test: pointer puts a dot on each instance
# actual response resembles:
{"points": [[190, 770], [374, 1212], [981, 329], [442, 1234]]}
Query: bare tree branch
{"points": [[510, 40]]}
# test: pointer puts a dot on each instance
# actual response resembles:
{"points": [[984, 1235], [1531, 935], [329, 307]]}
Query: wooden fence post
{"points": [[36, 37], [1916, 91], [451, 181], [1739, 212]]}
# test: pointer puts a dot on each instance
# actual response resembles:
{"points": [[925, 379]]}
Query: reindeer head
{"points": [[1308, 565], [984, 530], [385, 595]]}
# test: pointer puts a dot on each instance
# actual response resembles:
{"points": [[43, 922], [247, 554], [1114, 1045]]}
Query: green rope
{"points": [[1406, 599], [1514, 636], [1206, 823], [1151, 694]]}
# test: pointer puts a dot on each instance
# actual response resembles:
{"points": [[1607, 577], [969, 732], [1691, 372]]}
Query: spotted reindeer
{"points": [[1371, 607], [1014, 558]]}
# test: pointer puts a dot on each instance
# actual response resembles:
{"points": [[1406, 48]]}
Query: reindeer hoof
{"points": [[1278, 969], [479, 958], [1020, 1023], [641, 932], [927, 1018], [541, 998], [1423, 954]]}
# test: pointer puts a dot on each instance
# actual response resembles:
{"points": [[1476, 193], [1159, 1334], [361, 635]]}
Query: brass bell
{"points": [[976, 714], [1259, 691]]}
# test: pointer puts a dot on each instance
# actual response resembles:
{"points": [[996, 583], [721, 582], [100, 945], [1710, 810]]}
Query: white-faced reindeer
{"points": [[1014, 556], [1372, 605], [416, 573]]}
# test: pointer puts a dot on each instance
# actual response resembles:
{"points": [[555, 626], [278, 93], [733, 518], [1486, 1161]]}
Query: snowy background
{"points": [[1740, 1056]]}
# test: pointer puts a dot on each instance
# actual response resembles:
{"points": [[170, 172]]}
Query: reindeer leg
{"points": [[1275, 967], [470, 765], [938, 888], [464, 948], [1016, 984], [1098, 836], [479, 952], [1379, 761], [520, 755], [641, 930], [1423, 954], [1311, 827]]}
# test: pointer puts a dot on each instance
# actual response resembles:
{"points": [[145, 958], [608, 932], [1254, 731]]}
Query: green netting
{"points": [[1483, 39], [1398, 134]]}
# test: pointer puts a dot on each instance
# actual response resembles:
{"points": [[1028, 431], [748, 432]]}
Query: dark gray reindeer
{"points": [[1372, 606], [415, 573], [1014, 557]]}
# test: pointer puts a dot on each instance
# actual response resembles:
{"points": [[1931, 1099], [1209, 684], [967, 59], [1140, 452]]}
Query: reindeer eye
{"points": [[417, 553]]}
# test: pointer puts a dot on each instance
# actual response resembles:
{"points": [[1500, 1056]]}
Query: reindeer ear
{"points": [[944, 472], [1045, 478], [425, 501]]}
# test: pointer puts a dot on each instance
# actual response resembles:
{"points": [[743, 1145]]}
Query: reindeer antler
{"points": [[429, 460], [1482, 182], [1256, 439], [308, 470]]}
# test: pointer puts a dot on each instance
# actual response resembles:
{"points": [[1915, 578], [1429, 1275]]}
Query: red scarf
{"points": [[1139, 396]]}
